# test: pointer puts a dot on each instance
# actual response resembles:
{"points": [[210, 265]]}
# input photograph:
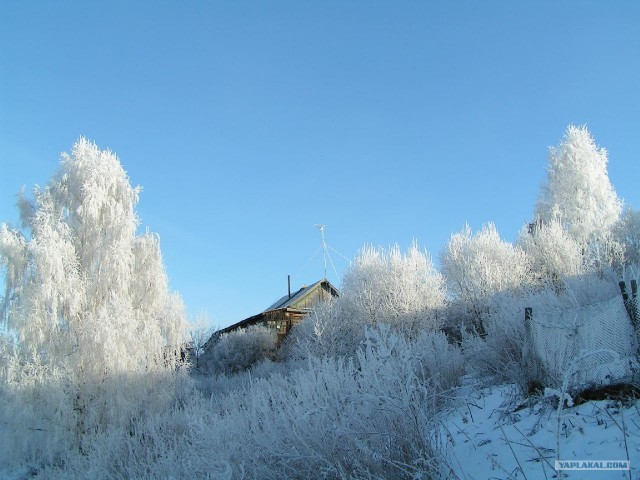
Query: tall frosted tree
{"points": [[87, 302], [577, 191]]}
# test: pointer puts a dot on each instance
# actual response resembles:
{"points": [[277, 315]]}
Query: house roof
{"points": [[298, 296]]}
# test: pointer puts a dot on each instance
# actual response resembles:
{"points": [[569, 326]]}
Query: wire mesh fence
{"points": [[590, 346]]}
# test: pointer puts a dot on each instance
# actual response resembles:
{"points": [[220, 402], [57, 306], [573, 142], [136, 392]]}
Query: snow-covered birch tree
{"points": [[579, 194], [86, 298]]}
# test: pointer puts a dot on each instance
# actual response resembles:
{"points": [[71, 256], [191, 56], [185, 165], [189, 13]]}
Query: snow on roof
{"points": [[295, 297]]}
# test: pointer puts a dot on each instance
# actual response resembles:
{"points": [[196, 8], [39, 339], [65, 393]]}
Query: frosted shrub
{"points": [[37, 409], [380, 287], [552, 253], [237, 351], [499, 356], [394, 288], [328, 330], [429, 354], [627, 233], [370, 416], [478, 268], [200, 332], [87, 300], [163, 444]]}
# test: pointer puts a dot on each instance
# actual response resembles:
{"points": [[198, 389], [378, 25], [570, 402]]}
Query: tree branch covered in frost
{"points": [[553, 253], [479, 267], [390, 287], [199, 334], [380, 286], [627, 232], [97, 328]]}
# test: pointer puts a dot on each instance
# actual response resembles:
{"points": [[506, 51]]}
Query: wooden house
{"points": [[288, 310]]}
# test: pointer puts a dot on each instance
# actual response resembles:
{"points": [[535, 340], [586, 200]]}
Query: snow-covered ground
{"points": [[490, 436]]}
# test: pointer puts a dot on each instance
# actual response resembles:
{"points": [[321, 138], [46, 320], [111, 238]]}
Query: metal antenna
{"points": [[324, 246]]}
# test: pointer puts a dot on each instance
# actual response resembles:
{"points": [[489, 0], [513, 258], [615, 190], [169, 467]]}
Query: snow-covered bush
{"points": [[478, 268], [370, 416], [165, 444], [200, 331], [433, 358], [499, 356], [380, 287], [327, 330], [331, 328], [240, 349], [96, 330], [393, 288], [365, 417], [627, 233], [552, 253]]}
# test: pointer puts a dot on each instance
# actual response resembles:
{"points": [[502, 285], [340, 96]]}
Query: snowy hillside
{"points": [[490, 436]]}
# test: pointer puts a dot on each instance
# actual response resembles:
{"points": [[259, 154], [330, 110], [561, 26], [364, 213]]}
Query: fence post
{"points": [[623, 291], [627, 303], [531, 360], [528, 314], [634, 303]]}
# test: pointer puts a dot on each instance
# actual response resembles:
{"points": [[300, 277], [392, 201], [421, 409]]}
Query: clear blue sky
{"points": [[248, 122]]}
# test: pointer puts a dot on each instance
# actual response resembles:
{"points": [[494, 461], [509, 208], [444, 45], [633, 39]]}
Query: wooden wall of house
{"points": [[282, 320]]}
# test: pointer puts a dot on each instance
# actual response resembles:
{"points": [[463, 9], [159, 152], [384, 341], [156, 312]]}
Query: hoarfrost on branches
{"points": [[578, 194], [481, 266], [552, 252], [627, 232], [89, 303], [237, 351], [388, 286], [578, 190]]}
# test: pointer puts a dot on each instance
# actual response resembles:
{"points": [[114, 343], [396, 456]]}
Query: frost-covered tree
{"points": [[552, 252], [402, 290], [200, 332], [627, 233], [88, 301], [391, 287], [479, 267], [578, 193]]}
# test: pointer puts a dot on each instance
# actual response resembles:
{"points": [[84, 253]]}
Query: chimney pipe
{"points": [[289, 284]]}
